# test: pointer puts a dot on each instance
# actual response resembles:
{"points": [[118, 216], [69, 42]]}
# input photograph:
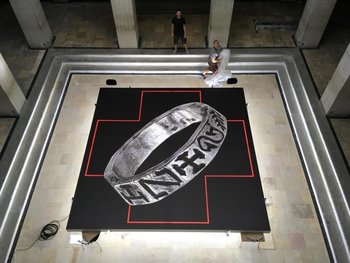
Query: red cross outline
{"points": [[207, 221]]}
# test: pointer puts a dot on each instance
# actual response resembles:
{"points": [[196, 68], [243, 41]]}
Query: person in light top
{"points": [[213, 59]]}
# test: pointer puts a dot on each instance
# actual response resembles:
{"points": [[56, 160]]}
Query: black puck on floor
{"points": [[111, 82], [232, 81]]}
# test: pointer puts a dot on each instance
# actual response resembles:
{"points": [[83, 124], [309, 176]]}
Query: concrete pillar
{"points": [[336, 97], [124, 13], [11, 96], [33, 22], [220, 21], [313, 22]]}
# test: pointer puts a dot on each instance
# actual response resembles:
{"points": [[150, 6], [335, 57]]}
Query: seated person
{"points": [[214, 59]]}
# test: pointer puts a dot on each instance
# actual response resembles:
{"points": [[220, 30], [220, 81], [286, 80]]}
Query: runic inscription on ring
{"points": [[170, 174]]}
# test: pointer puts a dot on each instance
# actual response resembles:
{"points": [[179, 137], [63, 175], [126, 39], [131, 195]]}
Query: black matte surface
{"points": [[235, 203]]}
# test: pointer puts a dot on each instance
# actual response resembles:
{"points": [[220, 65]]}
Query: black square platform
{"points": [[226, 195]]}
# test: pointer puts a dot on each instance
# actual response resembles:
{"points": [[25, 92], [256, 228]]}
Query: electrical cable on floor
{"points": [[48, 232]]}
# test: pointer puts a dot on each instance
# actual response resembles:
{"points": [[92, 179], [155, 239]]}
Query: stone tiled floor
{"points": [[22, 61], [5, 129], [169, 7], [342, 130], [82, 24], [288, 199], [155, 30], [243, 33], [323, 61]]}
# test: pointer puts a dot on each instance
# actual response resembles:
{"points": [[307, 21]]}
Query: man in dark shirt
{"points": [[178, 30]]}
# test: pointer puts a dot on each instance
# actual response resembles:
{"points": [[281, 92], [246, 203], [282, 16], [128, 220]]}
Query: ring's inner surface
{"points": [[136, 150], [167, 149]]}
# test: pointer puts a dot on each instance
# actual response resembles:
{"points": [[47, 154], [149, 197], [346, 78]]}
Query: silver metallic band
{"points": [[176, 171]]}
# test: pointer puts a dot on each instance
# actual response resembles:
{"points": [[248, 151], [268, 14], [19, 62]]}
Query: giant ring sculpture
{"points": [[168, 176]]}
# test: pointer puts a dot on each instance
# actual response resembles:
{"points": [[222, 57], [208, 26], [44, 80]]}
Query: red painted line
{"points": [[140, 106], [170, 222], [235, 121], [129, 211], [248, 147], [92, 144], [229, 176], [176, 222], [101, 120], [247, 144], [206, 199], [173, 91]]}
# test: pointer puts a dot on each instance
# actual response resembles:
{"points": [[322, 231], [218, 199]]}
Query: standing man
{"points": [[213, 59], [178, 30]]}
